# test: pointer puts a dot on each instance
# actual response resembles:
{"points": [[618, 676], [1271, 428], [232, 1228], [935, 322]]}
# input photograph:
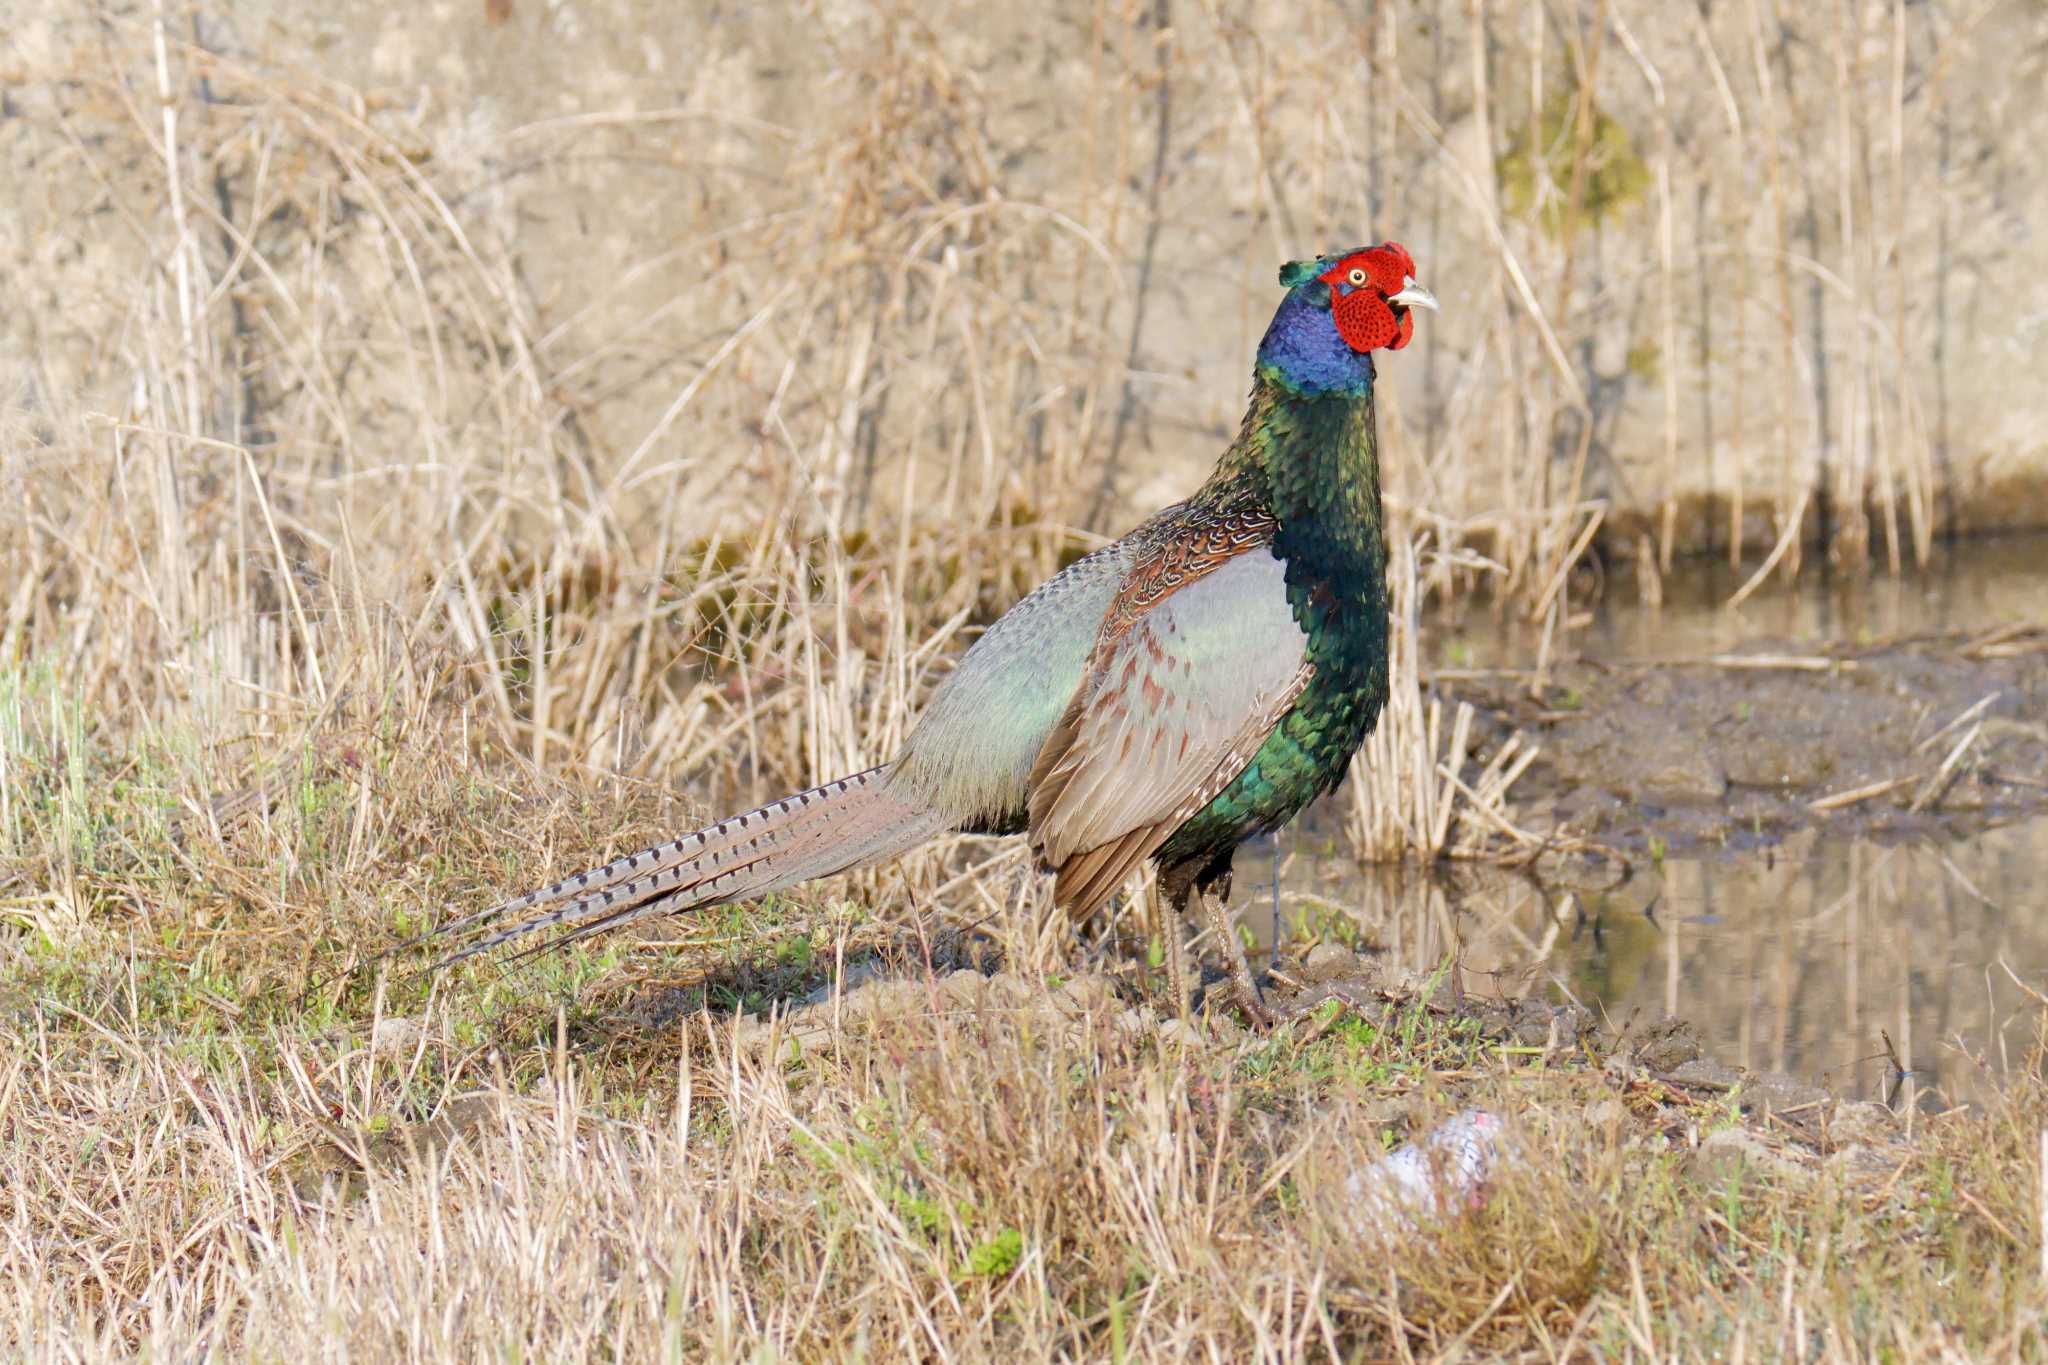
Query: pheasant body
{"points": [[1193, 684], [1328, 533]]}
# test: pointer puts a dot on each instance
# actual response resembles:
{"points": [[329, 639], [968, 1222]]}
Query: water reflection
{"points": [[1971, 585], [1800, 958]]}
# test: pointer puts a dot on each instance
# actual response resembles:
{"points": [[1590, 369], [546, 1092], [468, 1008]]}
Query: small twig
{"points": [[2038, 997], [1459, 1342], [1938, 785], [1786, 540], [1969, 714], [1990, 1217], [2004, 642], [1803, 663], [1855, 794]]}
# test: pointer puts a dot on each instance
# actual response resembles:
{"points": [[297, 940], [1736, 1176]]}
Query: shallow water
{"points": [[1973, 584], [1799, 957]]}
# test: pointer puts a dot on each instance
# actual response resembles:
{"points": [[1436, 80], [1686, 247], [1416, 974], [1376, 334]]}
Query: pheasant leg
{"points": [[1243, 986], [1172, 930], [1249, 998]]}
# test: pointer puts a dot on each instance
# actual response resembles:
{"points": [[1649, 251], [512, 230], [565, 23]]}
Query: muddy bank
{"points": [[1942, 731]]}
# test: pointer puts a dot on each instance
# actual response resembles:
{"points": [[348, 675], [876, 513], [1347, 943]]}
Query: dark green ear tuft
{"points": [[1301, 272]]}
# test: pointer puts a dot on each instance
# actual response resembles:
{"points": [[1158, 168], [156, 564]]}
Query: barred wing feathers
{"points": [[1173, 710]]}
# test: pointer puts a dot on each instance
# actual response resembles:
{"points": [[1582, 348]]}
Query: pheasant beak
{"points": [[1413, 295]]}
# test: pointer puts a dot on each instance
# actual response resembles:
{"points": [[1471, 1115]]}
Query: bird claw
{"points": [[1268, 1016], [1261, 1014], [1246, 991]]}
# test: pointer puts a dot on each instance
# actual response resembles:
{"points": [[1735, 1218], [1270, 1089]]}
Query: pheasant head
{"points": [[1339, 309]]}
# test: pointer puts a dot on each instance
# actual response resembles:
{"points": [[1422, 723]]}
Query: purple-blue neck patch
{"points": [[1302, 347]]}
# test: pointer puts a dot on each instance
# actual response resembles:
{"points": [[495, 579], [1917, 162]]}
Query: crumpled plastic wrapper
{"points": [[1439, 1175]]}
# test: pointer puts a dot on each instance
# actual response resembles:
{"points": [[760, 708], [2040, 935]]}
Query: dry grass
{"points": [[1415, 791], [977, 1181], [211, 1147], [374, 539]]}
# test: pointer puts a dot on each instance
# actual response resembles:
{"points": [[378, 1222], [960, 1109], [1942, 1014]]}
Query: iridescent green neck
{"points": [[1313, 461]]}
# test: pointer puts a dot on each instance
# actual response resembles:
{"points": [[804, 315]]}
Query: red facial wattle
{"points": [[1364, 318], [1366, 322]]}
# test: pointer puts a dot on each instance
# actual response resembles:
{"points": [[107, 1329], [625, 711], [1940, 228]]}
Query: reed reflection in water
{"points": [[1801, 958]]}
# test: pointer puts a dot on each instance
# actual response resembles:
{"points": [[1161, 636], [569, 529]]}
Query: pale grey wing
{"points": [[971, 753], [1173, 715]]}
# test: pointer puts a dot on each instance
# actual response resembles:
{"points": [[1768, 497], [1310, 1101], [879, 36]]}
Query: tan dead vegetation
{"points": [[364, 552], [958, 1178]]}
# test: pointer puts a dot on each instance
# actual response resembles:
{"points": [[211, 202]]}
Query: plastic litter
{"points": [[1440, 1174]]}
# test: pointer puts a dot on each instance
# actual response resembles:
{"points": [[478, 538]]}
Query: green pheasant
{"points": [[1169, 696]]}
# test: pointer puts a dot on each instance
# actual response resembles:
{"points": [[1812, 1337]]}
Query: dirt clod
{"points": [[1665, 1044], [1329, 961], [1729, 1153]]}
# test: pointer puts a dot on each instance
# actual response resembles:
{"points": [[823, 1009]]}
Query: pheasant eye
{"points": [[1357, 277]]}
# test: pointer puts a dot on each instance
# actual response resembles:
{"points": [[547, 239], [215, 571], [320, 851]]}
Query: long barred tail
{"points": [[830, 828]]}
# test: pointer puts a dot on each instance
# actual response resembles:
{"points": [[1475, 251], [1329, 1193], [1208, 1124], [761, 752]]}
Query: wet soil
{"points": [[1944, 731]]}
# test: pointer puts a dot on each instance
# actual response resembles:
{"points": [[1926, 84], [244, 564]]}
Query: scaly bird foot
{"points": [[1245, 988], [1310, 999], [1261, 1014]]}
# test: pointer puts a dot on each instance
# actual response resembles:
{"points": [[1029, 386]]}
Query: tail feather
{"points": [[830, 828]]}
